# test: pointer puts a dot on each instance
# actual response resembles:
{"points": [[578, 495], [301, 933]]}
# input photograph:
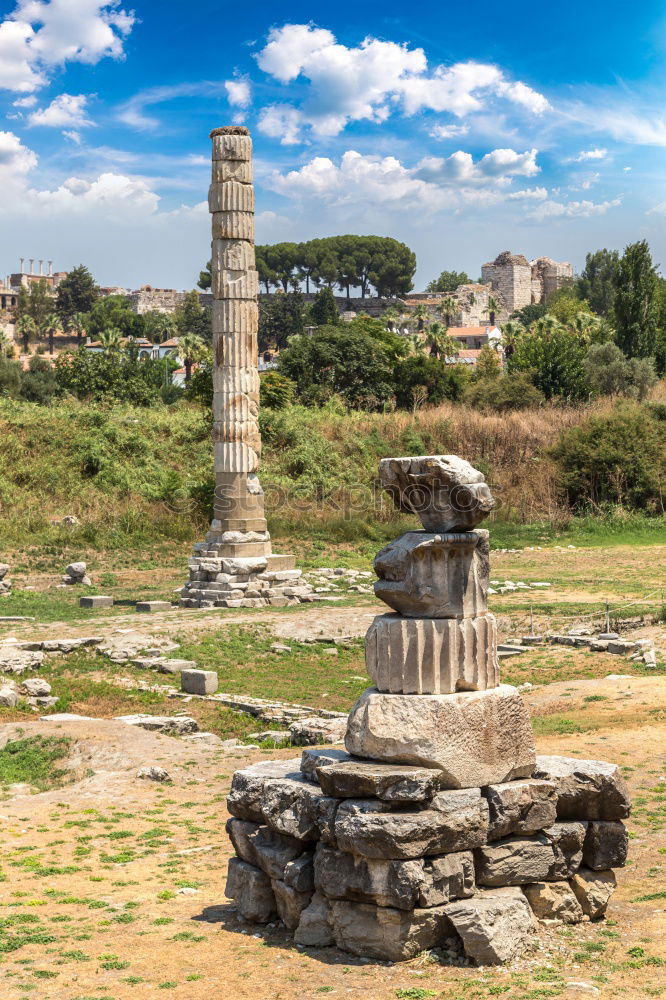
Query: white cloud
{"points": [[369, 81], [571, 209], [133, 111], [73, 136], [497, 166], [66, 109], [529, 194], [281, 121], [434, 184], [658, 209], [239, 92], [25, 102], [590, 154], [15, 160], [637, 123], [448, 131], [42, 34]]}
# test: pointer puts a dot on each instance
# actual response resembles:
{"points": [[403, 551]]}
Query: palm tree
{"points": [[167, 326], [493, 307], [110, 340], [446, 308], [26, 328], [421, 315], [192, 348], [511, 331], [391, 318], [416, 345], [50, 324], [585, 324], [79, 322]]}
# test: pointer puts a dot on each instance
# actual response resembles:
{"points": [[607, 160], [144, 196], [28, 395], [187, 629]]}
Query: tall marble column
{"points": [[234, 566]]}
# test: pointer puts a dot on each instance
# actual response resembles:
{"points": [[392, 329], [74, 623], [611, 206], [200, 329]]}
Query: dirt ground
{"points": [[116, 884]]}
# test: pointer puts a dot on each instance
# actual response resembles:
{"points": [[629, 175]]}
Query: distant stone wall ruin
{"points": [[521, 282]]}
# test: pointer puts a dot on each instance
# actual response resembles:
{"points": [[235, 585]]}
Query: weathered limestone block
{"points": [[233, 225], [235, 284], [520, 807], [314, 929], [231, 196], [299, 873], [444, 491], [290, 903], [199, 681], [554, 901], [475, 738], [353, 779], [315, 757], [251, 889], [369, 827], [432, 655], [606, 845], [447, 878], [550, 856], [495, 925], [305, 732], [593, 891], [298, 809], [231, 142], [586, 789], [247, 786], [340, 875], [424, 575], [262, 847], [232, 255], [232, 170], [386, 933]]}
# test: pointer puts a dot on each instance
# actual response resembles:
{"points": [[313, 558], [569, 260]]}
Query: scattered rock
{"points": [[173, 724], [35, 686], [494, 925], [153, 773], [554, 901], [97, 601], [593, 891], [14, 660], [198, 681], [8, 697], [76, 573], [151, 606], [586, 789], [309, 732]]}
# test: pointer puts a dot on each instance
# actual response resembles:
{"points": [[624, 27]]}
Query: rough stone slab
{"points": [[386, 933], [173, 666], [606, 845], [550, 856], [247, 786], [14, 660], [299, 873], [424, 575], [98, 601], [198, 681], [432, 655], [391, 782], [447, 878], [290, 903], [495, 925], [314, 929], [586, 789], [262, 847], [370, 828], [444, 491], [252, 891], [276, 793], [8, 697], [476, 738], [341, 875], [593, 891], [313, 757], [520, 807], [310, 732], [554, 901], [150, 606], [174, 724]]}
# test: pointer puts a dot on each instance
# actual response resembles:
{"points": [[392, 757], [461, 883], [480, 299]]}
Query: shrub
{"points": [[610, 373], [439, 380], [617, 458], [509, 392], [276, 391]]}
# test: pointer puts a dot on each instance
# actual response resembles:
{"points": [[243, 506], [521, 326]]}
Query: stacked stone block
{"points": [[383, 862], [439, 827], [235, 566]]}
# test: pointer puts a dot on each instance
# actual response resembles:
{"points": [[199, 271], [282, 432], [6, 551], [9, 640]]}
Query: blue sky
{"points": [[463, 129]]}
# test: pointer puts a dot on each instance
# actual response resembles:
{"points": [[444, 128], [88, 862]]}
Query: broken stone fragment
{"points": [[276, 793], [554, 901], [299, 874], [341, 875], [309, 732], [390, 782], [520, 807], [425, 575], [252, 891], [550, 856], [476, 738], [444, 491], [262, 847], [314, 757], [495, 925], [385, 933], [247, 786], [290, 903], [369, 827], [606, 845], [586, 789], [593, 890], [314, 929]]}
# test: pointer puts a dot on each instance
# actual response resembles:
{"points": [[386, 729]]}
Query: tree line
{"points": [[370, 264]]}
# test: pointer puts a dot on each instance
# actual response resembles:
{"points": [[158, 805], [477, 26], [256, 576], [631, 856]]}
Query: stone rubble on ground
{"points": [[153, 773], [174, 725], [76, 573], [438, 827], [5, 582]]}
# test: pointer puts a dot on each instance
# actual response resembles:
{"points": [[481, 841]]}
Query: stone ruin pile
{"points": [[235, 566], [5, 582], [440, 828], [76, 573]]}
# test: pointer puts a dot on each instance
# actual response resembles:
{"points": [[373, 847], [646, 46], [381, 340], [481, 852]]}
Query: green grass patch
{"points": [[35, 760]]}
